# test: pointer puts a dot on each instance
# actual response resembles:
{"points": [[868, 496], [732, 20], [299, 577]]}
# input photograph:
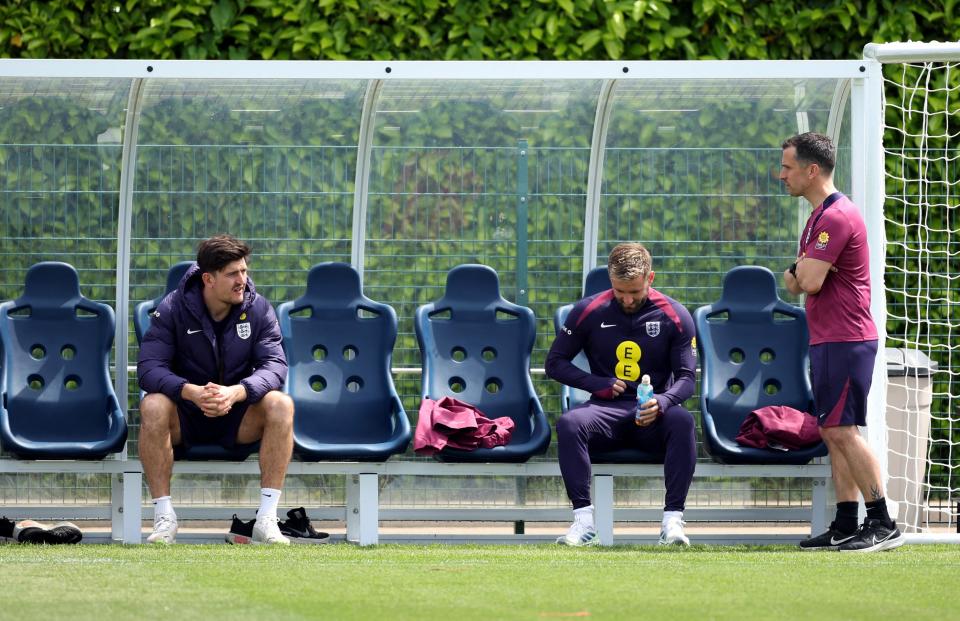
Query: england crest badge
{"points": [[653, 328], [243, 330]]}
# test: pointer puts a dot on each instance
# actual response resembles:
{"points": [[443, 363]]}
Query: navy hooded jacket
{"points": [[181, 345]]}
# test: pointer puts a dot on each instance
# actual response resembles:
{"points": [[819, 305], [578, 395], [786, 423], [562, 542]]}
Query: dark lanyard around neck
{"points": [[826, 203]]}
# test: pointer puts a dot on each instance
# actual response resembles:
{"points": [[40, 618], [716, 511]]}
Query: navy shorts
{"points": [[842, 375], [195, 428]]}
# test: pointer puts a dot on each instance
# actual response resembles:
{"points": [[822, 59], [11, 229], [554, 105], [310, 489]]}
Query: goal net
{"points": [[921, 143]]}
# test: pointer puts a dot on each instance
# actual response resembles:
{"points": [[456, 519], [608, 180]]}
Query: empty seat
{"points": [[339, 346], [58, 401]]}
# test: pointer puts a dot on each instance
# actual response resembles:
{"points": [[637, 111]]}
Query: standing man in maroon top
{"points": [[832, 269], [626, 332]]}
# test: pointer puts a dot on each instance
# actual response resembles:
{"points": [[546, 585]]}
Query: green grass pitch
{"points": [[461, 583]]}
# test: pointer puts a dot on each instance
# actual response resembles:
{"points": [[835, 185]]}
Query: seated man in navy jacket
{"points": [[626, 332], [212, 366]]}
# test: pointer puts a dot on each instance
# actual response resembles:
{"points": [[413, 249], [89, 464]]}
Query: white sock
{"points": [[670, 515], [584, 515], [163, 506], [269, 499]]}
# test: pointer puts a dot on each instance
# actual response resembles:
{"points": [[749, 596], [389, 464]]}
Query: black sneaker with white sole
{"points": [[874, 536], [830, 540], [29, 531], [241, 533], [298, 529]]}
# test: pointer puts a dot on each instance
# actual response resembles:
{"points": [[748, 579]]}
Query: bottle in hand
{"points": [[644, 394]]}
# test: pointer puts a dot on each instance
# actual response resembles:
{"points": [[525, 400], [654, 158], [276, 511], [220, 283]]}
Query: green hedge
{"points": [[465, 29]]}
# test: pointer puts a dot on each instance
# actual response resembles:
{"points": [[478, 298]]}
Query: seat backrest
{"points": [[339, 347], [141, 315], [597, 280], [754, 351], [476, 347], [56, 345]]}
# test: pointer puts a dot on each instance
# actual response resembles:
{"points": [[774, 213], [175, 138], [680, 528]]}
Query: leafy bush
{"points": [[464, 29]]}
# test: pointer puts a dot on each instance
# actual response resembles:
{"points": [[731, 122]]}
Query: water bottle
{"points": [[644, 394]]}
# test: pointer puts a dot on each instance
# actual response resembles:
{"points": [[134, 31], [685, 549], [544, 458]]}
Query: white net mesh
{"points": [[922, 149]]}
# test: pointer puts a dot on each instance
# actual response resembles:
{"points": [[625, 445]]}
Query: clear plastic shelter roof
{"points": [[407, 169], [545, 113]]}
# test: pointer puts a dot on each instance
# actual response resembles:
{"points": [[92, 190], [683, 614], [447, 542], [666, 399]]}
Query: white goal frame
{"points": [[876, 55]]}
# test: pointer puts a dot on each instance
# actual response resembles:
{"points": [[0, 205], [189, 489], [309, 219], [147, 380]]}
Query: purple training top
{"points": [[840, 312], [655, 340]]}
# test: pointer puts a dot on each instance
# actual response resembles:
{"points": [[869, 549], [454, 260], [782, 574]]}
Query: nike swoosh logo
{"points": [[193, 331], [607, 325], [835, 542]]}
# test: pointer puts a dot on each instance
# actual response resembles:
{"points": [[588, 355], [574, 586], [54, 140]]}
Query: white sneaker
{"points": [[267, 530], [164, 529], [671, 533], [579, 535]]}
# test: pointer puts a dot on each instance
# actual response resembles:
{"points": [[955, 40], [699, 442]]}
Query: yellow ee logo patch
{"points": [[243, 316], [628, 361]]}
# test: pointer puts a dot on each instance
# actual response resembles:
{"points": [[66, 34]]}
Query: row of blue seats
{"points": [[58, 401]]}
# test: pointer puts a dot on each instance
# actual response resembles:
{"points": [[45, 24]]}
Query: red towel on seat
{"points": [[779, 427], [451, 422]]}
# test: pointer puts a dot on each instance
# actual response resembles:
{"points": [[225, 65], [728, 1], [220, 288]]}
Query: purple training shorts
{"points": [[842, 375]]}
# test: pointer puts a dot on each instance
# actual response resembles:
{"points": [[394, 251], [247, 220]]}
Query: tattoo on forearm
{"points": [[875, 493]]}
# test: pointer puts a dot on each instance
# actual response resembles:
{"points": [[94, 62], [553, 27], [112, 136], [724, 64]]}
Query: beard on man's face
{"points": [[632, 308]]}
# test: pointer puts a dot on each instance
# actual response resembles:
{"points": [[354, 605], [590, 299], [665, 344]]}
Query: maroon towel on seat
{"points": [[451, 422], [779, 427]]}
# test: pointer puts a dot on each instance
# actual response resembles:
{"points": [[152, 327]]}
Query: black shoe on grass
{"points": [[830, 540], [874, 536], [298, 529], [29, 531], [241, 533], [64, 533]]}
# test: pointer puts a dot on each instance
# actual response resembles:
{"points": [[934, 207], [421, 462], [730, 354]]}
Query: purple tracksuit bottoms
{"points": [[609, 425]]}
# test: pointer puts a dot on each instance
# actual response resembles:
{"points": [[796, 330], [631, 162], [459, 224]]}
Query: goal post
{"points": [[919, 127]]}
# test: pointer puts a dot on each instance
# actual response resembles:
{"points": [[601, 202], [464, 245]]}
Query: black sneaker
{"points": [[830, 540], [29, 531], [64, 532], [874, 536], [240, 532], [298, 529], [6, 530]]}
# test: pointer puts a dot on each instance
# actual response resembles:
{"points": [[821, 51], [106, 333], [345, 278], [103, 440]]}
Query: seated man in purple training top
{"points": [[212, 366], [626, 332]]}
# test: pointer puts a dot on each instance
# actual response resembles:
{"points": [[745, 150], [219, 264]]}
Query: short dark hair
{"points": [[629, 261], [220, 250], [814, 148]]}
